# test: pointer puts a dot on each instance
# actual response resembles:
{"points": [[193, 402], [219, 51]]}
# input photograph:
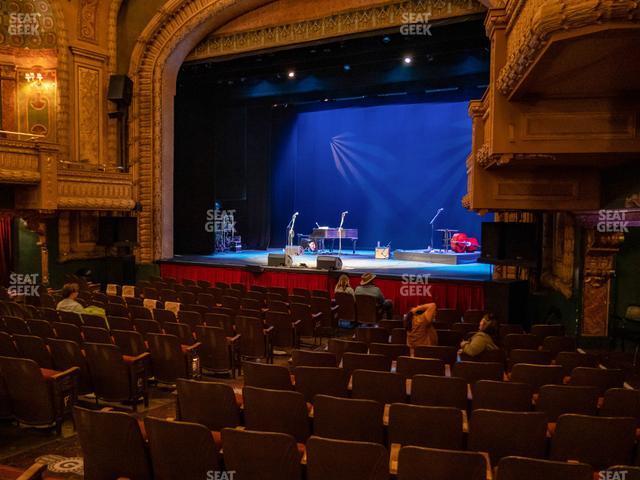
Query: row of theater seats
{"points": [[269, 434]]}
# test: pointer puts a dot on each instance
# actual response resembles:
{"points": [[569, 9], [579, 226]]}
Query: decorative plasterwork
{"points": [[390, 14], [558, 252], [87, 17], [532, 22], [78, 190]]}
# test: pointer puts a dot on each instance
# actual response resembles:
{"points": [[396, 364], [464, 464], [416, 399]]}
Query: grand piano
{"points": [[319, 235]]}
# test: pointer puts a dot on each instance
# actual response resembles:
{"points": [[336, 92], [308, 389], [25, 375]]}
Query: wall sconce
{"points": [[32, 77]]}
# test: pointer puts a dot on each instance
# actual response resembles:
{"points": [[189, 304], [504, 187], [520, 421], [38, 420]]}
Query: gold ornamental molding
{"points": [[532, 22], [79, 190], [381, 16]]}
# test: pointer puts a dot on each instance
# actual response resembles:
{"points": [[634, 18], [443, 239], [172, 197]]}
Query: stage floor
{"points": [[363, 261]]}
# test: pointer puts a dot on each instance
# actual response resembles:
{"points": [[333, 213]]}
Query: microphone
{"points": [[344, 213], [296, 214]]}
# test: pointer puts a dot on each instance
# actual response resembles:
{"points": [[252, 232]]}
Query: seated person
{"points": [[343, 285], [367, 287], [481, 340], [420, 329], [69, 303]]}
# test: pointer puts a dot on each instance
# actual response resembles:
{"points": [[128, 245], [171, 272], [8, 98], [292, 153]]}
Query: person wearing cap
{"points": [[367, 287]]}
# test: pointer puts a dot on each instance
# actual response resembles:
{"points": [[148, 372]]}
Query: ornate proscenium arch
{"points": [[161, 48]]}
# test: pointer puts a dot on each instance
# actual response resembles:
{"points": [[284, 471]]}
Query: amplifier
{"points": [[383, 253]]}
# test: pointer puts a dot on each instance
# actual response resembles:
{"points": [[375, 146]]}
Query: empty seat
{"points": [[66, 317], [474, 371], [383, 387], [364, 361], [393, 351], [503, 434], [112, 445], [493, 356], [447, 354], [306, 358], [163, 316], [40, 328], [339, 347], [276, 411], [372, 335], [557, 344], [534, 357], [146, 327], [598, 441], [437, 391], [312, 381], [537, 375], [131, 343], [556, 400], [448, 315], [570, 360], [435, 427], [172, 360], [180, 330], [521, 468], [367, 309], [472, 316], [346, 460], [285, 330], [410, 366], [191, 318], [7, 347], [39, 397], [525, 341], [194, 456], [67, 331], [263, 375], [449, 338], [255, 340], [211, 404], [621, 402], [120, 323], [508, 396], [94, 321], [221, 320], [419, 463], [217, 351], [346, 303], [15, 325], [348, 419], [95, 334], [261, 455], [34, 348], [67, 354], [542, 331], [602, 379]]}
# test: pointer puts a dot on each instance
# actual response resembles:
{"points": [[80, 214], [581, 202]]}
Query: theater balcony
{"points": [[561, 108]]}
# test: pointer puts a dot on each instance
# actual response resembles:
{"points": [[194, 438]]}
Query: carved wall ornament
{"points": [[532, 22], [87, 17]]}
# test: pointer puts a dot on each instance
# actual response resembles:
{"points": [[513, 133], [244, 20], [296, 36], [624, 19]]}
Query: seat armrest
{"points": [[232, 340], [316, 315], [142, 356], [296, 323], [193, 347], [34, 472], [65, 373], [335, 308], [268, 330]]}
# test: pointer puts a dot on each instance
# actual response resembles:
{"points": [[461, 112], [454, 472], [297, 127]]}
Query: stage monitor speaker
{"points": [[120, 89], [507, 300], [327, 262], [492, 244], [279, 260]]}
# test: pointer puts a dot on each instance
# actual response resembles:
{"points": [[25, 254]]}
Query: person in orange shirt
{"points": [[420, 329]]}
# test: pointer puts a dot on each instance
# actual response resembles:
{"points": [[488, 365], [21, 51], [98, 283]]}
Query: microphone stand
{"points": [[340, 234], [440, 210], [290, 232]]}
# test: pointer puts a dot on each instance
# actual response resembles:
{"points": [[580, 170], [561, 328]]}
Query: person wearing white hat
{"points": [[367, 287]]}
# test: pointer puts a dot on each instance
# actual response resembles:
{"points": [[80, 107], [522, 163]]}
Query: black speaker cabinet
{"points": [[279, 260], [507, 300], [121, 269], [327, 262], [120, 89]]}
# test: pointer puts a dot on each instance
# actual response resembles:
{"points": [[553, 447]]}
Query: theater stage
{"points": [[407, 283]]}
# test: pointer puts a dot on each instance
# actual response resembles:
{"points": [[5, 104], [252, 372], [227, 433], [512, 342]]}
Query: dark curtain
{"points": [[6, 249]]}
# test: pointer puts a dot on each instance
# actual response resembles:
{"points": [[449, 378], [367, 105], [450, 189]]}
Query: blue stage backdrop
{"points": [[390, 166]]}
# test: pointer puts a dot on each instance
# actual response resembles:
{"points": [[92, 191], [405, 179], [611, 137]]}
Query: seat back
{"points": [[34, 348], [534, 357], [7, 347], [112, 445], [276, 411], [67, 331], [449, 338], [95, 334], [211, 404], [348, 419], [570, 360], [582, 438], [253, 342], [169, 363], [437, 391], [508, 433], [393, 351], [346, 460], [94, 321], [215, 352], [194, 456], [543, 330], [537, 375], [283, 333], [556, 400], [261, 455], [525, 341], [418, 463], [30, 396], [556, 344], [40, 328], [383, 387], [621, 402], [109, 372], [263, 375], [410, 366], [308, 358], [312, 381], [163, 316], [521, 468], [339, 347], [364, 361], [346, 306], [120, 323], [367, 309], [130, 342], [15, 325], [602, 379], [435, 427], [475, 371], [67, 354], [507, 396], [447, 354]]}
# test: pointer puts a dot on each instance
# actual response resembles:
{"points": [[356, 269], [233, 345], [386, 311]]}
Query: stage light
{"points": [[347, 67], [386, 39], [291, 74], [408, 60]]}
